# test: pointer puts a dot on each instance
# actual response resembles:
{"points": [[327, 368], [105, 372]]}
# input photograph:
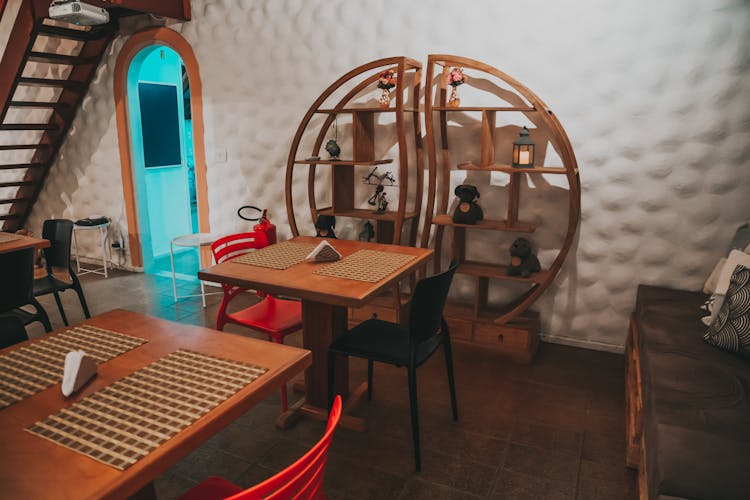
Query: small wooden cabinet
{"points": [[360, 150], [510, 328]]}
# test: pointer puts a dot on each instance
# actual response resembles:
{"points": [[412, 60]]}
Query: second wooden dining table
{"points": [[325, 300]]}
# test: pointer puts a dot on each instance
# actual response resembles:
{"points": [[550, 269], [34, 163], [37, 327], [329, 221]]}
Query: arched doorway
{"points": [[135, 79]]}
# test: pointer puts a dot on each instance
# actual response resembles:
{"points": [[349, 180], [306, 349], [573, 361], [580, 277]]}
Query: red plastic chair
{"points": [[273, 316], [303, 479]]}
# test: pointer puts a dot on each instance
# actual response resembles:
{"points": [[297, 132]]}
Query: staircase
{"points": [[45, 72], [40, 119]]}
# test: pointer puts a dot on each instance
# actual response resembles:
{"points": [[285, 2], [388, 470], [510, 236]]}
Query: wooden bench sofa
{"points": [[687, 403]]}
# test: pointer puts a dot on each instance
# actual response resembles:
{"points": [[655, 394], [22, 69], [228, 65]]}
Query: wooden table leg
{"points": [[321, 323]]}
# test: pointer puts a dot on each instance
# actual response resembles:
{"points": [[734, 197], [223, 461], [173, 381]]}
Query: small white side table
{"points": [[104, 237], [189, 240]]}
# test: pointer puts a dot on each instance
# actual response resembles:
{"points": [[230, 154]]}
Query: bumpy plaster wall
{"points": [[654, 96]]}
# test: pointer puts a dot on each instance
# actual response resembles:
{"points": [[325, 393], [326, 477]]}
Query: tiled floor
{"points": [[554, 429]]}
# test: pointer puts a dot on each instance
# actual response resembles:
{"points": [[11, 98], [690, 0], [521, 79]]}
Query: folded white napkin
{"points": [[324, 252], [79, 369]]}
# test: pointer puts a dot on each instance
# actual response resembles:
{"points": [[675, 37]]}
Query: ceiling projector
{"points": [[75, 12]]}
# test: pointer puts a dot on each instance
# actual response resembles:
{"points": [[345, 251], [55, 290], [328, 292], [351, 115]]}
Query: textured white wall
{"points": [[654, 96]]}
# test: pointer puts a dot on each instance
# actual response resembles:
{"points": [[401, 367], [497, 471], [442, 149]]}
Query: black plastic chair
{"points": [[386, 342], [17, 290], [11, 331], [59, 232]]}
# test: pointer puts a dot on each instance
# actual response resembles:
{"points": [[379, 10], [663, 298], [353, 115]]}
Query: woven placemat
{"points": [[6, 237], [366, 265], [122, 423], [279, 256], [35, 367]]}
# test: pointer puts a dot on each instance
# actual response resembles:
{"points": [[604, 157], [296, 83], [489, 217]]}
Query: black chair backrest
{"points": [[16, 278], [59, 232], [11, 331], [427, 303]]}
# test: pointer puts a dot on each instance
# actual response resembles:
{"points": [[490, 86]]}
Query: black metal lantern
{"points": [[523, 150]]}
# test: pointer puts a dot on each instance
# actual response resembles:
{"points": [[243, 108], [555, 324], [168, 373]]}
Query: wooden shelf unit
{"points": [[511, 328], [488, 224], [344, 163], [389, 226]]}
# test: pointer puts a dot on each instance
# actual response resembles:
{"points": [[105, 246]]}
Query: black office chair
{"points": [[59, 232], [386, 342], [17, 290], [11, 331]]}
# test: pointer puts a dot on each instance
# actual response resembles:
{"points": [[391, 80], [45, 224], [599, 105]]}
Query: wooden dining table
{"points": [[33, 467], [10, 242], [325, 300]]}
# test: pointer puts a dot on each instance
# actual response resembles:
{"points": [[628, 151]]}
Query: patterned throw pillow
{"points": [[731, 330]]}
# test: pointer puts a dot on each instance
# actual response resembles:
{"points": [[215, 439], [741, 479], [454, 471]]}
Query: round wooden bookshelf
{"points": [[511, 328], [359, 150]]}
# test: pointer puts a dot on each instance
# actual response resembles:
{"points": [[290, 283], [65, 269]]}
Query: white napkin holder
{"points": [[324, 252], [79, 369]]}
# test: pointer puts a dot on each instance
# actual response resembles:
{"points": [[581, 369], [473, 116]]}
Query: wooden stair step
{"points": [[9, 216], [16, 184], [52, 58], [11, 147], [12, 166], [39, 104], [73, 34], [28, 126], [51, 82], [8, 201]]}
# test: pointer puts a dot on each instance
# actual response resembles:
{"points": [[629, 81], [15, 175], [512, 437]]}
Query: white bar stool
{"points": [[196, 240], [104, 237]]}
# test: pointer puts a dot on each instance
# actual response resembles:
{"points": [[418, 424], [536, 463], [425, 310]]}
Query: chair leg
{"points": [[331, 370], [369, 379], [79, 290], [414, 415], [42, 315], [449, 369], [60, 307]]}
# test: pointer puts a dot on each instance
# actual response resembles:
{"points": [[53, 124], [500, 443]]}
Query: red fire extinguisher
{"points": [[264, 225]]}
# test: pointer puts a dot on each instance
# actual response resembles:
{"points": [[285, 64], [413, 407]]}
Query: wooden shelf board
{"points": [[498, 271], [329, 111], [363, 213], [487, 224], [484, 108], [344, 162], [511, 169]]}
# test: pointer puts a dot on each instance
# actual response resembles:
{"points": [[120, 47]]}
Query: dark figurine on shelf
{"points": [[378, 180], [333, 149], [367, 233], [374, 179], [324, 226], [382, 204], [378, 200], [467, 211], [522, 261]]}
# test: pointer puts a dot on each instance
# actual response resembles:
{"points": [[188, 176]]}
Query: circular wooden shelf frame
{"points": [[388, 225], [539, 114]]}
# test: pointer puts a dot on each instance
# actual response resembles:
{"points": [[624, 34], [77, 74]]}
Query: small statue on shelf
{"points": [[324, 226], [378, 199], [522, 261], [332, 146], [333, 149], [367, 233], [379, 179], [467, 211]]}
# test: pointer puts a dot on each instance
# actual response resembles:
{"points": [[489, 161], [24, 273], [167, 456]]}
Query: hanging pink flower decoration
{"points": [[387, 79], [456, 77]]}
